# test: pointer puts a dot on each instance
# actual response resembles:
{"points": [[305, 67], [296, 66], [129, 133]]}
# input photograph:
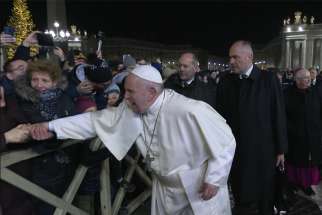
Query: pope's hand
{"points": [[39, 131], [207, 191]]}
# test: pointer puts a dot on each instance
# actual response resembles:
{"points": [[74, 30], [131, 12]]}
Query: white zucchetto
{"points": [[148, 73]]}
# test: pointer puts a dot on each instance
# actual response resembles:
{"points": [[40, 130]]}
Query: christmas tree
{"points": [[21, 21]]}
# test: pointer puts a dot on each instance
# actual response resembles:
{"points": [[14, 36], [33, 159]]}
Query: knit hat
{"points": [[98, 74], [112, 88]]}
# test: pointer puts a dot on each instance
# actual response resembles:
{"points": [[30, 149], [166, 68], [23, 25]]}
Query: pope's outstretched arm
{"points": [[77, 127]]}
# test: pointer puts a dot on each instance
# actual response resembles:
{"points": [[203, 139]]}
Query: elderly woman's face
{"points": [[42, 81]]}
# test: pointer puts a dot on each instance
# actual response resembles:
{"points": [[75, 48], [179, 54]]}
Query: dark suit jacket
{"points": [[196, 90]]}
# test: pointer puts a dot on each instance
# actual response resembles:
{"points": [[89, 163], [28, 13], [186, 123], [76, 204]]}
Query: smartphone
{"points": [[44, 39]]}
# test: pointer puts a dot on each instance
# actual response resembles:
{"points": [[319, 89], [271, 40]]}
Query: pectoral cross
{"points": [[148, 159]]}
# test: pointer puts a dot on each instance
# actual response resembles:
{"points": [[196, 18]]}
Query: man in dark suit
{"points": [[252, 103], [187, 83]]}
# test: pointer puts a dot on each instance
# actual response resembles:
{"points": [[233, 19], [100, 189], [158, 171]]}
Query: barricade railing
{"points": [[64, 204]]}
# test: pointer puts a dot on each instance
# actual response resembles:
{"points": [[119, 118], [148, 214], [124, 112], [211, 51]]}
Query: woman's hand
{"points": [[19, 134]]}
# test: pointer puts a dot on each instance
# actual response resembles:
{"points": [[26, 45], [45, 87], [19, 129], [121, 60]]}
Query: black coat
{"points": [[196, 90], [254, 109], [304, 125]]}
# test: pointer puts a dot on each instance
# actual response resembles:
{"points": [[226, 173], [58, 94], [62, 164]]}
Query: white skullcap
{"points": [[148, 73]]}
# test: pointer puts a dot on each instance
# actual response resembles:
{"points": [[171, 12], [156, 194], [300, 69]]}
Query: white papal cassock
{"points": [[192, 144]]}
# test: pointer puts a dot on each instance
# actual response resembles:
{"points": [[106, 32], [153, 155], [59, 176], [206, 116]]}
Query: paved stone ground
{"points": [[300, 205]]}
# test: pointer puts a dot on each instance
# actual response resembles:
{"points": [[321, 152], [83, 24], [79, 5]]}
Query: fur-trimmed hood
{"points": [[26, 92]]}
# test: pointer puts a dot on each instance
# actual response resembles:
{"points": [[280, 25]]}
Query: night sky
{"points": [[209, 25]]}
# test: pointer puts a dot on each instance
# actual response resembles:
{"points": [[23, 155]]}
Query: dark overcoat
{"points": [[254, 109], [304, 125], [196, 90]]}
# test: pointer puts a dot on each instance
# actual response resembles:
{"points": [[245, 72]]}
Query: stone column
{"points": [[282, 62], [320, 60], [309, 52], [303, 54], [287, 54]]}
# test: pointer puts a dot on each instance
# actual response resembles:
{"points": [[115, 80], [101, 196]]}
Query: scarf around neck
{"points": [[48, 103]]}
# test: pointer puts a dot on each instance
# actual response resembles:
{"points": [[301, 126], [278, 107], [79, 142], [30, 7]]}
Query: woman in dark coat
{"points": [[13, 201], [304, 126], [40, 99]]}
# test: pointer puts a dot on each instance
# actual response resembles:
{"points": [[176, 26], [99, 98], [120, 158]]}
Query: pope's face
{"points": [[136, 95]]}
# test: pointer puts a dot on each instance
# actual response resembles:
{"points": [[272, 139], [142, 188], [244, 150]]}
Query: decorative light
{"points": [[62, 34], [76, 39], [300, 28], [288, 29], [67, 34], [52, 33], [56, 24]]}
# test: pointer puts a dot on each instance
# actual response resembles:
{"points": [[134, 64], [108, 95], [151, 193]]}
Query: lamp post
{"points": [[56, 25], [59, 35], [73, 39]]}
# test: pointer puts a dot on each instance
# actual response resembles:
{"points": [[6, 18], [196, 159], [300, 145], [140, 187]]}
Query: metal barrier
{"points": [[64, 204]]}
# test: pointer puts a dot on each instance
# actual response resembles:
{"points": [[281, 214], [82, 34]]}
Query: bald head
{"points": [[188, 66], [240, 56], [313, 73], [302, 78], [15, 68]]}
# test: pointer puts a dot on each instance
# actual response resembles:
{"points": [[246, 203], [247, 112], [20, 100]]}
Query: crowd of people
{"points": [[199, 132]]}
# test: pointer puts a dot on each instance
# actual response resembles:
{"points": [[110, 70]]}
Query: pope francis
{"points": [[187, 145]]}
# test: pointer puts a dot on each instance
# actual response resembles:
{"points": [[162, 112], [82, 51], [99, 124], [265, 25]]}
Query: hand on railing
{"points": [[39, 131]]}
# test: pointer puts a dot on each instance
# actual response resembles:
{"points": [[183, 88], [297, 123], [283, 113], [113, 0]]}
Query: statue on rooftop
{"points": [[288, 21], [297, 16]]}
